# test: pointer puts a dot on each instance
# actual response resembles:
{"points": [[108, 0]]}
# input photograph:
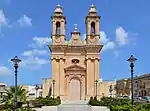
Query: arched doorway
{"points": [[75, 89]]}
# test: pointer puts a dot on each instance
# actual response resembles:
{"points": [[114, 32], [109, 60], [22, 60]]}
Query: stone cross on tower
{"points": [[75, 28]]}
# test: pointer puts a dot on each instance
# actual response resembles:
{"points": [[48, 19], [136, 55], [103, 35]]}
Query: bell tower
{"points": [[58, 26], [92, 26]]}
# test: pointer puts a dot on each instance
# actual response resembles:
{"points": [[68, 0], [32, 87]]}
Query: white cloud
{"points": [[83, 37], [3, 22], [25, 21], [122, 36], [33, 62], [104, 39], [4, 70], [34, 58], [32, 45], [34, 52], [3, 19], [109, 46], [40, 42]]}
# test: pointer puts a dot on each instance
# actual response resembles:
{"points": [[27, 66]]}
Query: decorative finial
{"points": [[92, 5], [75, 28], [92, 9], [58, 5], [58, 9]]}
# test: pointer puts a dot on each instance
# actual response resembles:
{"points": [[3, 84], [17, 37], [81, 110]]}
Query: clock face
{"points": [[57, 39]]}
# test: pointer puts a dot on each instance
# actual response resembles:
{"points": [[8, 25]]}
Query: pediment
{"points": [[74, 68]]}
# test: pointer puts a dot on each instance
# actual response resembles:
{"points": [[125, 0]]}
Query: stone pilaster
{"points": [[96, 73], [90, 77], [83, 88], [55, 76], [67, 86], [62, 77]]}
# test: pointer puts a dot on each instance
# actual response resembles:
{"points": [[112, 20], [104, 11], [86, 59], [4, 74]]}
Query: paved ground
{"points": [[73, 106]]}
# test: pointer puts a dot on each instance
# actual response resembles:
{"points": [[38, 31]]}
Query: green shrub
{"points": [[122, 108], [26, 109], [116, 104], [93, 101], [48, 101], [127, 108]]}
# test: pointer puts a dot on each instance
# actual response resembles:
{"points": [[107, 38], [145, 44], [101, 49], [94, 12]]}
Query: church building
{"points": [[75, 63]]}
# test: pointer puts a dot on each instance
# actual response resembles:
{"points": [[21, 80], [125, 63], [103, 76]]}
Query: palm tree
{"points": [[8, 98]]}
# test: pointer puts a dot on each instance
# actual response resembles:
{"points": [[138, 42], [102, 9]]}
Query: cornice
{"points": [[92, 58], [58, 58]]}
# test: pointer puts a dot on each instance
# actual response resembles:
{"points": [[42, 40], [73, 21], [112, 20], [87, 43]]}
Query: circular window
{"points": [[75, 61]]}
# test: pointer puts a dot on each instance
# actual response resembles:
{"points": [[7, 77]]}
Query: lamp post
{"points": [[110, 90], [132, 59], [96, 87], [16, 61], [53, 88]]}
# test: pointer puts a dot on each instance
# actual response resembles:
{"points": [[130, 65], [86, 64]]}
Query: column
{"points": [[62, 78]]}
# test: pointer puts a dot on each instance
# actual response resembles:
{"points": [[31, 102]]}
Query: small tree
{"points": [[8, 98]]}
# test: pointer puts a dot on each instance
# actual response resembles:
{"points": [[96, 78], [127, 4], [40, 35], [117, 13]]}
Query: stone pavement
{"points": [[73, 106]]}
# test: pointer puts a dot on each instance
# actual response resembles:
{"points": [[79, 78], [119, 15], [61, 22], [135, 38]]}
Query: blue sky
{"points": [[25, 29]]}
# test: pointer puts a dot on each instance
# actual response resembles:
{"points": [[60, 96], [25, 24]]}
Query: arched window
{"points": [[57, 27], [144, 92], [139, 93], [92, 28]]}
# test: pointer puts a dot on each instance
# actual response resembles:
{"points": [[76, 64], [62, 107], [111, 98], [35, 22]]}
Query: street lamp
{"points": [[16, 61], [110, 90], [132, 59], [96, 87], [53, 88]]}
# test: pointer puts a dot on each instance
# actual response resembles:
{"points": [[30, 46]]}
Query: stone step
{"points": [[74, 108], [80, 105], [77, 102]]}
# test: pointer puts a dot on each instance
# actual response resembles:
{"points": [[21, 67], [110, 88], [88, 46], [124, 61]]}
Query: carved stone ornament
{"points": [[57, 39], [92, 39]]}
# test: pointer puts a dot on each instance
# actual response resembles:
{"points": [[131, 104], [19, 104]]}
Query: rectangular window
{"points": [[31, 94]]}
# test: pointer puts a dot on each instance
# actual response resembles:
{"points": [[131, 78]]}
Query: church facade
{"points": [[75, 63]]}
